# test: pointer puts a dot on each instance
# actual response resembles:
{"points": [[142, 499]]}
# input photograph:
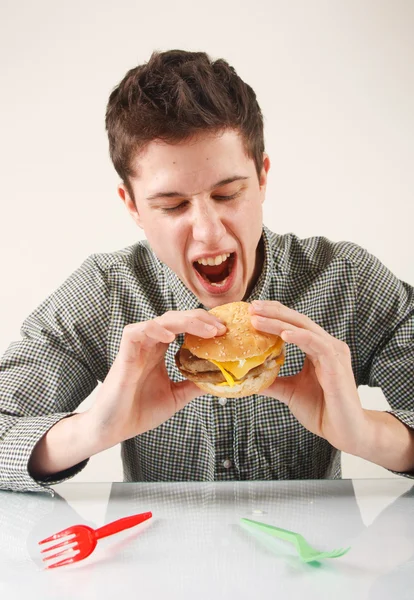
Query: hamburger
{"points": [[239, 363]]}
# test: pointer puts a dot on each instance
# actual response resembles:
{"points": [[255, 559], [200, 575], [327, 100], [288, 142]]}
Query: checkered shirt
{"points": [[70, 341]]}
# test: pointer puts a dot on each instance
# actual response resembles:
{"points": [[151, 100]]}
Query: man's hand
{"points": [[323, 396], [137, 394]]}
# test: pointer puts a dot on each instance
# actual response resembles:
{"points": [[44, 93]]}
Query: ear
{"points": [[129, 204], [263, 175]]}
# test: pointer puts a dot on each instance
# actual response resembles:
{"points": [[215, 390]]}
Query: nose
{"points": [[208, 227]]}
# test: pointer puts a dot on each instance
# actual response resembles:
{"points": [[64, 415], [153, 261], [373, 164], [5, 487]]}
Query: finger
{"points": [[331, 354], [204, 315], [270, 325], [202, 325], [136, 339], [198, 313], [318, 347], [288, 333], [148, 332], [276, 310]]}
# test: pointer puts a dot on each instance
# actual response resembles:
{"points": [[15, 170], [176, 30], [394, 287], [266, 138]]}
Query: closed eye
{"points": [[183, 204], [232, 197], [174, 208]]}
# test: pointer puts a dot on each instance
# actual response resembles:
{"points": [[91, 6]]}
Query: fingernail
{"points": [[221, 326], [209, 327]]}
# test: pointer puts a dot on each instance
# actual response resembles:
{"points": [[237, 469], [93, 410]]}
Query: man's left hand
{"points": [[323, 396]]}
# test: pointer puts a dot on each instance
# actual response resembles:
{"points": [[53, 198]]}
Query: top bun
{"points": [[241, 339]]}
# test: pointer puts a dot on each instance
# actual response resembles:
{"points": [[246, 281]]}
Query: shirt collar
{"points": [[186, 300]]}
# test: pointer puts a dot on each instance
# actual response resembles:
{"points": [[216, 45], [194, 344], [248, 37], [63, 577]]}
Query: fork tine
{"points": [[60, 553], [67, 561], [58, 535], [338, 552], [66, 544]]}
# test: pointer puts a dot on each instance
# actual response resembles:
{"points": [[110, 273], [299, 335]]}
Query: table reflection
{"points": [[195, 538]]}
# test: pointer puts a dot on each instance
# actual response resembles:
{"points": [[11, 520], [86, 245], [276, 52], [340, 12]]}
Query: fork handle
{"points": [[283, 534], [121, 524]]}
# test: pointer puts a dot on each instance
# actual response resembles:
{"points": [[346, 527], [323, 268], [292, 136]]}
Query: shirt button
{"points": [[223, 401], [227, 463]]}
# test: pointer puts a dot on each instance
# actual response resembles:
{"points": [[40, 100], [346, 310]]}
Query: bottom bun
{"points": [[251, 385]]}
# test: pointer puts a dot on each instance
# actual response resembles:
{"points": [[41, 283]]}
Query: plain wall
{"points": [[335, 81]]}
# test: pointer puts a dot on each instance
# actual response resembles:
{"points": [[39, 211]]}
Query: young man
{"points": [[186, 138]]}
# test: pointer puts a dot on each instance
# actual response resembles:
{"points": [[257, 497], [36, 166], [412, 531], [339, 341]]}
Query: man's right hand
{"points": [[136, 396]]}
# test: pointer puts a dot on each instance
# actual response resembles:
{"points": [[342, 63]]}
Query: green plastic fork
{"points": [[305, 550]]}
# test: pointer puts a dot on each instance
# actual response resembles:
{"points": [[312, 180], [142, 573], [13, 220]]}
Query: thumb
{"points": [[184, 392], [282, 389]]}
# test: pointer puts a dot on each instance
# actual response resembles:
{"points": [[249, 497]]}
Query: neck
{"points": [[258, 267]]}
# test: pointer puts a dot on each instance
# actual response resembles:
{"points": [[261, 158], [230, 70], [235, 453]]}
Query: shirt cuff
{"points": [[16, 449], [406, 417]]}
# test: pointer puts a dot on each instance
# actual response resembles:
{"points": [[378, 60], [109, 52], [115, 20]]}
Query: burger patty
{"points": [[193, 364], [193, 367]]}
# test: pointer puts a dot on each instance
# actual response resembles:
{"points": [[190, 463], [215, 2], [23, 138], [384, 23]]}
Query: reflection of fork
{"points": [[305, 551], [79, 541]]}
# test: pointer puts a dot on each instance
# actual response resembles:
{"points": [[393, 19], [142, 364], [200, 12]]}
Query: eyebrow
{"points": [[159, 195]]}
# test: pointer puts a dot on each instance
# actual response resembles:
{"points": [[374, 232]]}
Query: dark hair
{"points": [[173, 97]]}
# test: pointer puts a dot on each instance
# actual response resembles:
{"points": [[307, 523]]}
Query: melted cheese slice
{"points": [[238, 368]]}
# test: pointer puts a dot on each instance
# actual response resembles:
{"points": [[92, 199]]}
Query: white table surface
{"points": [[195, 547]]}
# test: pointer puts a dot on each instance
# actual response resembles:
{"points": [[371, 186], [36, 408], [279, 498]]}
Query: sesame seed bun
{"points": [[241, 339]]}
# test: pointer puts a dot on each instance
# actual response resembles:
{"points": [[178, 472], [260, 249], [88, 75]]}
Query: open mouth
{"points": [[216, 275]]}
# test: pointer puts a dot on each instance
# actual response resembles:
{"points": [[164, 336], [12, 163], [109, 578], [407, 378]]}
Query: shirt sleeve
{"points": [[50, 371], [386, 336]]}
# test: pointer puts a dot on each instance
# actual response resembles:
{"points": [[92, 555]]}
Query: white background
{"points": [[335, 81]]}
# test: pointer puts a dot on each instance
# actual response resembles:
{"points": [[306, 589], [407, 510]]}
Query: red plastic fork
{"points": [[79, 541]]}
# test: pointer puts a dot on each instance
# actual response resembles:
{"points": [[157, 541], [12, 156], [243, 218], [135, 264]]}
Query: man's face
{"points": [[199, 203]]}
